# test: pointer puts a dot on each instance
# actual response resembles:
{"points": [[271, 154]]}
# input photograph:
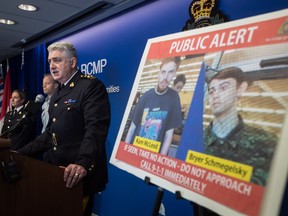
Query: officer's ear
{"points": [[242, 88], [73, 62]]}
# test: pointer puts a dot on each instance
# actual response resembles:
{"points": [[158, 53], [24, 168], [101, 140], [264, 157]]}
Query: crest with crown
{"points": [[204, 13], [202, 9]]}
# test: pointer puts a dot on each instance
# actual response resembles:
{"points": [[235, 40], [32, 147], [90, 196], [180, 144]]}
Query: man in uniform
{"points": [[79, 121], [227, 136]]}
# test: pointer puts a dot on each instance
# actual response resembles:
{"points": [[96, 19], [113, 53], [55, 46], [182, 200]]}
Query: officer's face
{"points": [[49, 85], [222, 96], [16, 100], [166, 74], [61, 66]]}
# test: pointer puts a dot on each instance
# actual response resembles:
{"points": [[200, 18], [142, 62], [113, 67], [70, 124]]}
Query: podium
{"points": [[39, 190]]}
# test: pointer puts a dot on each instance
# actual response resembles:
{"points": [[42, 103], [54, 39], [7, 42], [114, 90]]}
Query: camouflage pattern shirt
{"points": [[244, 144]]}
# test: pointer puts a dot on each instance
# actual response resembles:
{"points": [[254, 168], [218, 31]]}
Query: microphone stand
{"points": [[30, 108], [19, 123]]}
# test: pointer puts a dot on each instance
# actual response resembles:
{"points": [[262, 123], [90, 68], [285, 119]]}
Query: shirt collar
{"points": [[19, 108], [70, 78], [231, 138]]}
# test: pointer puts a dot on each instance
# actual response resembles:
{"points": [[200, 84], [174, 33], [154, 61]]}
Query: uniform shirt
{"points": [[244, 144], [45, 114]]}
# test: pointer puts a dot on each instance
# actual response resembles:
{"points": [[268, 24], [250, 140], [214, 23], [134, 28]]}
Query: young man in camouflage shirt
{"points": [[227, 136]]}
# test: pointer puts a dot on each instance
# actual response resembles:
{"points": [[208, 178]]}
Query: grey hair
{"points": [[66, 47]]}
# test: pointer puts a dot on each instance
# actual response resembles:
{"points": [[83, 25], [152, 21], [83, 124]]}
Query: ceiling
{"points": [[53, 16]]}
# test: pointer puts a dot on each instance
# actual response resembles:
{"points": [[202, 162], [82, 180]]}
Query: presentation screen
{"points": [[207, 115]]}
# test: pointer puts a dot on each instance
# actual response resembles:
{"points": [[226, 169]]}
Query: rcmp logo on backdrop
{"points": [[203, 13]]}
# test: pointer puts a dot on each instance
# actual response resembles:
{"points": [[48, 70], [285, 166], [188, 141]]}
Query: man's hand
{"points": [[73, 174]]}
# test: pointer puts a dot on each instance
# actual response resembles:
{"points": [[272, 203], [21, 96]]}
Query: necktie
{"points": [[62, 86], [14, 112]]}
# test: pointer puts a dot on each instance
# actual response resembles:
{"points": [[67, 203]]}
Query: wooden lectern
{"points": [[39, 188]]}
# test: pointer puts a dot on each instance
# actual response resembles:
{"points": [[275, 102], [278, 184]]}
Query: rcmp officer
{"points": [[19, 132], [79, 115]]}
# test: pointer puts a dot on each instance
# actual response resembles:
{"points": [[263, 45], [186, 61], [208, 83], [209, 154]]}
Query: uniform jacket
{"points": [[245, 144], [79, 119], [23, 133]]}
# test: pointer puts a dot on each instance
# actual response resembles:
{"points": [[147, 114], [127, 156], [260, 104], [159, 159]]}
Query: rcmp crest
{"points": [[203, 13]]}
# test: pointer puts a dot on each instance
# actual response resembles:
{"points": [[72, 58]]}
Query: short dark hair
{"points": [[49, 75], [230, 72], [176, 60], [21, 94], [180, 78]]}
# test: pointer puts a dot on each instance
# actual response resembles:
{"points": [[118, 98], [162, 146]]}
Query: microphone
{"points": [[31, 107], [39, 98]]}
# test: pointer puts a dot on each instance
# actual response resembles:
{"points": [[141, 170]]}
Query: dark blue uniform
{"points": [[77, 130], [21, 134]]}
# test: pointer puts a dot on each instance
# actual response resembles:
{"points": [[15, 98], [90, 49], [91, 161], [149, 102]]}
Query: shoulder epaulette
{"points": [[87, 76]]}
